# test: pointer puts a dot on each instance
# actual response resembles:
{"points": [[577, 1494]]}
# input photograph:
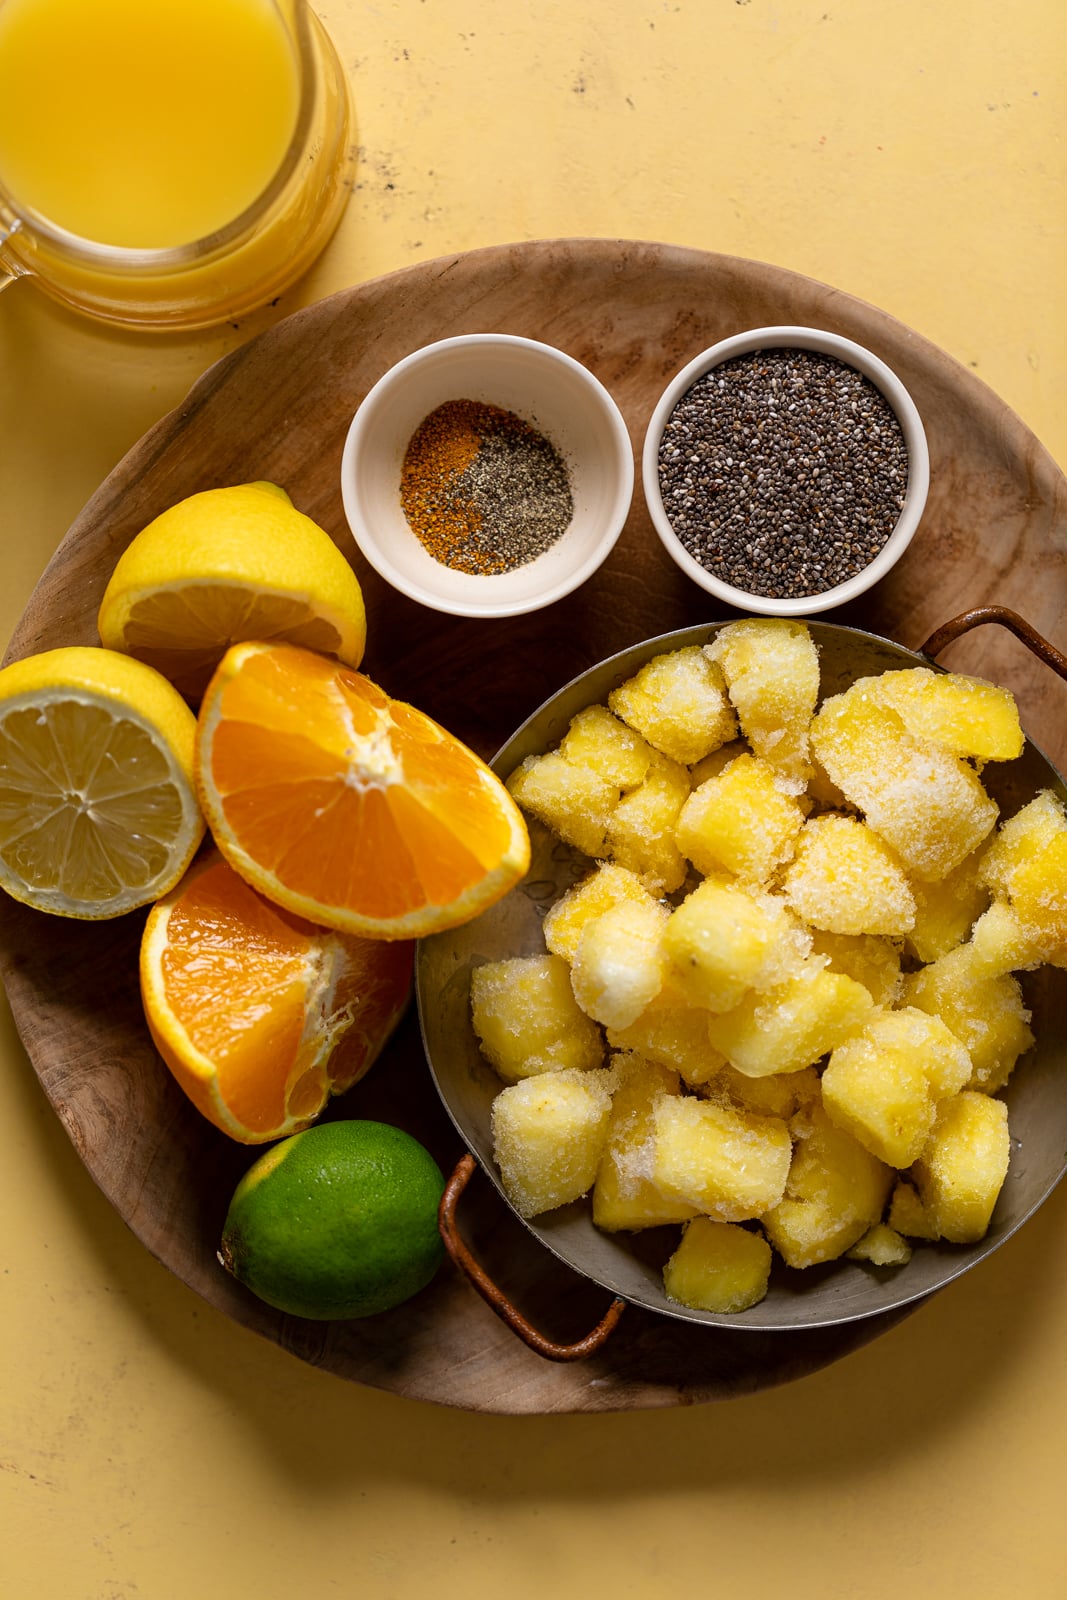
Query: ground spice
{"points": [[783, 472], [482, 489]]}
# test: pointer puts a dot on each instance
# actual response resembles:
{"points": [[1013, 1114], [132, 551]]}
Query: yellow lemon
{"points": [[338, 1221], [227, 565], [98, 811]]}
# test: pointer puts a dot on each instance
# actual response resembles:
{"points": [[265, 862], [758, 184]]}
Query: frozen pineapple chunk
{"points": [[721, 942], [963, 1167], [527, 1020], [1021, 838], [928, 805], [883, 1084], [640, 831], [771, 667], [619, 965], [624, 1195], [616, 753], [575, 802], [675, 1037], [792, 1025], [835, 1192], [548, 1136], [718, 1266], [999, 943], [739, 822], [782, 1094], [906, 1214], [712, 765], [728, 1163], [871, 961], [965, 716], [845, 879], [882, 1246], [678, 702], [606, 886], [1027, 865], [946, 911], [987, 1014]]}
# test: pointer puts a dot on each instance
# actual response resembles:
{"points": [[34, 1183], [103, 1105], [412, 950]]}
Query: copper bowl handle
{"points": [[495, 1297], [958, 626]]}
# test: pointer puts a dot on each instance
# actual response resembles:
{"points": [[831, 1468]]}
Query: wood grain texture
{"points": [[279, 408]]}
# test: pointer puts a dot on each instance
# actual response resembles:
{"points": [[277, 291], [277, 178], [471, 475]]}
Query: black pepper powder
{"points": [[482, 489], [783, 472]]}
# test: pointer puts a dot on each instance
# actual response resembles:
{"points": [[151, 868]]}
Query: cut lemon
{"points": [[350, 808], [98, 810], [225, 565], [260, 1015]]}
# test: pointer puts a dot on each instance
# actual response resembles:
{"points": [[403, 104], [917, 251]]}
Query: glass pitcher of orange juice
{"points": [[168, 163]]}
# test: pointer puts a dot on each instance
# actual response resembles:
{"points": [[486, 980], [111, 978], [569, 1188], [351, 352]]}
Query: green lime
{"points": [[337, 1221]]}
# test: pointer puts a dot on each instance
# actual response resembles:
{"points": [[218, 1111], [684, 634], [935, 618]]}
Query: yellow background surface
{"points": [[910, 152]]}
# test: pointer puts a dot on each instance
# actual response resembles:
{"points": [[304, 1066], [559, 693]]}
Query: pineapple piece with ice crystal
{"points": [[882, 1246], [606, 886], [729, 1163], [999, 943], [527, 1020], [674, 1037], [619, 965], [721, 941], [1020, 839], [835, 1191], [640, 831], [792, 1025], [1027, 865], [782, 1094], [624, 1196], [883, 1085], [739, 822], [548, 1135], [987, 1014], [906, 1214], [844, 879], [615, 752], [872, 961], [771, 667], [965, 716], [575, 802], [678, 702], [946, 911], [962, 1169], [712, 765], [928, 806], [718, 1266]]}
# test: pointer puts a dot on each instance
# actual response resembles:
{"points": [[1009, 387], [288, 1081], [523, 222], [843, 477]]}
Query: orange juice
{"points": [[143, 123]]}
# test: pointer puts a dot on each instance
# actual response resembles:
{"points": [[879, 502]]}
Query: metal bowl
{"points": [[630, 1265]]}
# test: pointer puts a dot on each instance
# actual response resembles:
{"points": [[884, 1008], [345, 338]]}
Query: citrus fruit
{"points": [[228, 564], [350, 808], [98, 810], [339, 1221], [260, 1015]]}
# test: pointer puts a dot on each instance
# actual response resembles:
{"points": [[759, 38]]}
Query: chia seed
{"points": [[783, 472]]}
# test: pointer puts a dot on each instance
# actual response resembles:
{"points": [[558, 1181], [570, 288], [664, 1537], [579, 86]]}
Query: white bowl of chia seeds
{"points": [[487, 475], [786, 470]]}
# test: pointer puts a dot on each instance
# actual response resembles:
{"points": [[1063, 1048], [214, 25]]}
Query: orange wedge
{"points": [[348, 807], [260, 1015]]}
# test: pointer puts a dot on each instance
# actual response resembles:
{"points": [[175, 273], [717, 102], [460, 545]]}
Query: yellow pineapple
{"points": [[771, 667], [575, 802], [624, 1196], [962, 1169], [607, 885], [678, 702], [781, 1094], [792, 1025], [835, 1191], [987, 1014], [548, 1136], [640, 831], [718, 1266], [597, 739], [845, 879], [946, 911], [728, 1163], [882, 1246], [739, 822], [872, 961], [965, 716], [720, 942], [527, 1020], [619, 964], [906, 1214], [675, 1037]]}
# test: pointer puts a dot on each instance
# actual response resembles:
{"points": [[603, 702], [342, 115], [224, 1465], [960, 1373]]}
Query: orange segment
{"points": [[350, 808], [260, 1015]]}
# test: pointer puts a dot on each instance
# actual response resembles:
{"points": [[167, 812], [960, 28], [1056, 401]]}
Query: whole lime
{"points": [[337, 1221]]}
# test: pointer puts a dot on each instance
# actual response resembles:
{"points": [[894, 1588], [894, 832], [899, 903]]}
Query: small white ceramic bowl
{"points": [[851, 354], [547, 389]]}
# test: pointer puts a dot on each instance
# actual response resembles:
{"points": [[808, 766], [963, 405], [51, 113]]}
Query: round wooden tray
{"points": [[278, 408]]}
